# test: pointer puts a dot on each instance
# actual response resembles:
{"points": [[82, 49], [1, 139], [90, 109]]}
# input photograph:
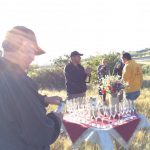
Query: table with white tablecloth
{"points": [[103, 136]]}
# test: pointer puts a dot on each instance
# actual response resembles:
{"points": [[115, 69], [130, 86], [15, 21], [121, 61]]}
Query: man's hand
{"points": [[88, 71], [54, 100]]}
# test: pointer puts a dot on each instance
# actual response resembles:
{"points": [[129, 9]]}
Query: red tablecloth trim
{"points": [[127, 129], [74, 129]]}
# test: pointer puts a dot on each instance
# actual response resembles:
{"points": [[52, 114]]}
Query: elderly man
{"points": [[133, 77], [76, 76], [24, 124]]}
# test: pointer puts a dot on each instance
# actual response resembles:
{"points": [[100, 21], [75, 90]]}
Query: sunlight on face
{"points": [[77, 59], [26, 54]]}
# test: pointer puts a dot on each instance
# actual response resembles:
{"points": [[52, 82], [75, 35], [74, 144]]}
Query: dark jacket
{"points": [[75, 79], [24, 124], [102, 71], [118, 68]]}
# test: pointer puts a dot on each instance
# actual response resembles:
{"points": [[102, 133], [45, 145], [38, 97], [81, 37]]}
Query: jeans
{"points": [[132, 95]]}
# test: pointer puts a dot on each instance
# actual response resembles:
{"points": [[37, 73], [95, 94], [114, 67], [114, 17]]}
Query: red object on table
{"points": [[74, 129], [127, 129]]}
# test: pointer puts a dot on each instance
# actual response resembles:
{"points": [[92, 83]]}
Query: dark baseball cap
{"points": [[21, 31], [75, 53]]}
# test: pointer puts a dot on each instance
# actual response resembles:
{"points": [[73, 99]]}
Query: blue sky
{"points": [[89, 26]]}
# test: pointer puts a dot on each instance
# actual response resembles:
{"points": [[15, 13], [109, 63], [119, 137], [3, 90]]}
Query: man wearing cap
{"points": [[76, 76], [24, 124]]}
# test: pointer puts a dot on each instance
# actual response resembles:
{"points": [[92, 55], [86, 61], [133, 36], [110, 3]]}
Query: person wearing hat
{"points": [[76, 76], [24, 124]]}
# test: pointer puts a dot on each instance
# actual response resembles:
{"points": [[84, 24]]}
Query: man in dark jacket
{"points": [[24, 124], [76, 76], [118, 66]]}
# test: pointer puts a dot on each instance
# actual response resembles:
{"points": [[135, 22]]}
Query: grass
{"points": [[140, 142]]}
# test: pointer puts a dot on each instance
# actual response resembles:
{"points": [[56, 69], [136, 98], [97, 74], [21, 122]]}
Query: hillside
{"points": [[141, 54]]}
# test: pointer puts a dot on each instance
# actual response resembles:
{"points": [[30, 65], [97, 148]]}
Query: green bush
{"points": [[95, 61], [48, 78]]}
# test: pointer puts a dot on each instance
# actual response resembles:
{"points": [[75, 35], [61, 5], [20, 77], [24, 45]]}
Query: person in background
{"points": [[76, 76], [132, 76], [118, 72], [102, 71], [118, 66], [24, 124]]}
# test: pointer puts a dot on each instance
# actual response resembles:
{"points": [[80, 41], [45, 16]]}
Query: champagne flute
{"points": [[120, 112]]}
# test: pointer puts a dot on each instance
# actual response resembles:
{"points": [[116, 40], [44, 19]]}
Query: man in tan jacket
{"points": [[133, 77]]}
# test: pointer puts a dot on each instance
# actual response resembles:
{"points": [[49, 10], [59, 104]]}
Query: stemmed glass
{"points": [[103, 112], [99, 115], [87, 112], [120, 112], [69, 106], [113, 112], [133, 110]]}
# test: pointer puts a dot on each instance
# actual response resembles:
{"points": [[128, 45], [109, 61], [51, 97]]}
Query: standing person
{"points": [[118, 71], [103, 71], [24, 124], [76, 76], [118, 66], [132, 76]]}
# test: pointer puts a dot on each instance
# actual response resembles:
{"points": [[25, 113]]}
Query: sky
{"points": [[89, 26]]}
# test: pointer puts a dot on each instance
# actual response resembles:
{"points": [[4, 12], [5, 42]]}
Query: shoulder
{"points": [[127, 67], [81, 66], [100, 66], [68, 67]]}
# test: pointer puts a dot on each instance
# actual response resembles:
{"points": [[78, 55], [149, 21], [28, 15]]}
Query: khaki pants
{"points": [[72, 96]]}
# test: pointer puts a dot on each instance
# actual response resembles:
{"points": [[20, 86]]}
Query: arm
{"points": [[27, 114], [68, 74], [126, 76]]}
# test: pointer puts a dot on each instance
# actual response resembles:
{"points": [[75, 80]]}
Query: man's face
{"points": [[105, 62], [76, 59], [27, 53]]}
